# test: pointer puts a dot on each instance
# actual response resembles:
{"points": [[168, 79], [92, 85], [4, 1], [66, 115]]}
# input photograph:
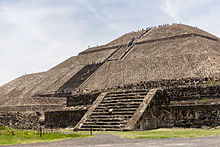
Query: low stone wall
{"points": [[185, 106], [172, 82], [63, 119], [165, 83], [20, 120], [193, 92], [83, 99], [194, 116]]}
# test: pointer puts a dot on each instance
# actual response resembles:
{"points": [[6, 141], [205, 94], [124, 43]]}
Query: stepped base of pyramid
{"points": [[185, 103], [116, 111], [141, 109]]}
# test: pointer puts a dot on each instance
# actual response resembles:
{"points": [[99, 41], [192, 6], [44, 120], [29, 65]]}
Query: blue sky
{"points": [[38, 34]]}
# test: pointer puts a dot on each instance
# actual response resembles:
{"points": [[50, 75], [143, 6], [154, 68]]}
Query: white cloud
{"points": [[170, 9], [176, 8], [200, 13]]}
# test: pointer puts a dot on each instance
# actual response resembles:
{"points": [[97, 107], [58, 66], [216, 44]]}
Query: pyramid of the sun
{"points": [[166, 52]]}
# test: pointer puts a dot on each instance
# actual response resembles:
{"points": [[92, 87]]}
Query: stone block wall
{"points": [[194, 116], [172, 83], [185, 106], [196, 92], [20, 120], [82, 99], [63, 119]]}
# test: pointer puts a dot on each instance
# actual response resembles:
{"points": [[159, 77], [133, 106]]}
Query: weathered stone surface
{"points": [[82, 99], [63, 119], [21, 120], [152, 69], [181, 60], [186, 106]]}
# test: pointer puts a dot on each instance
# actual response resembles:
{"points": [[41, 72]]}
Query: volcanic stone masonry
{"points": [[165, 76]]}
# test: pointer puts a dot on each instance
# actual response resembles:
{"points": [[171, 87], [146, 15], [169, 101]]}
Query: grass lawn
{"points": [[162, 133], [11, 136]]}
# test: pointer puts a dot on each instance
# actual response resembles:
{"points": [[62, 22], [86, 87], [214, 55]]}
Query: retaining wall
{"points": [[20, 120], [62, 119]]}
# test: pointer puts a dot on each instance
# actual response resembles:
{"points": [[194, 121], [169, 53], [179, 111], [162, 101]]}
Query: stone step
{"points": [[114, 113], [104, 123], [103, 129], [122, 100], [129, 91], [101, 126], [119, 104], [120, 117], [125, 97], [124, 104], [114, 109], [107, 120], [119, 107]]}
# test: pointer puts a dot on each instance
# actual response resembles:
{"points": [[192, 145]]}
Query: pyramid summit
{"points": [[138, 71]]}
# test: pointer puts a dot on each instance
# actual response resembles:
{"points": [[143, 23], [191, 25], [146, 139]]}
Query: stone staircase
{"points": [[97, 69], [121, 54], [123, 51], [79, 79], [116, 111], [80, 76]]}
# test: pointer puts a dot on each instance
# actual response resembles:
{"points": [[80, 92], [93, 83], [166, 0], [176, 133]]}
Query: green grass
{"points": [[4, 128], [162, 133], [27, 136], [9, 136]]}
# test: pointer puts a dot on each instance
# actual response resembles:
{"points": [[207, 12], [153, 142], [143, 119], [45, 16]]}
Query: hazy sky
{"points": [[36, 35]]}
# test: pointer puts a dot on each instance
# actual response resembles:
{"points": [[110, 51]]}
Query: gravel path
{"points": [[108, 140]]}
